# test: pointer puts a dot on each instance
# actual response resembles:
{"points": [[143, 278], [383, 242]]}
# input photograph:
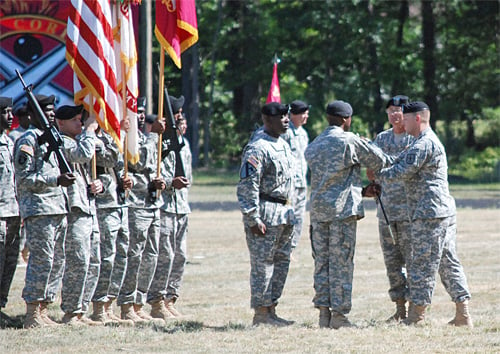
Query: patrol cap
{"points": [[398, 100], [297, 107], [274, 109], [5, 102], [176, 103], [150, 118], [68, 112], [339, 108], [141, 103], [417, 106]]}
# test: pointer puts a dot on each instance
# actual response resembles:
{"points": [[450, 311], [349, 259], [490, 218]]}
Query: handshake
{"points": [[372, 190]]}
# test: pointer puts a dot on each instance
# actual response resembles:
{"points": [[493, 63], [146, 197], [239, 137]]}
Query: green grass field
{"points": [[215, 297]]}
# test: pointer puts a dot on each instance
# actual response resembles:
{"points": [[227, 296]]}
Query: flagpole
{"points": [[161, 85], [93, 160]]}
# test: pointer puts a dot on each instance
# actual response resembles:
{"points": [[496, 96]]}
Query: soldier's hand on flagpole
{"points": [[158, 126], [90, 124], [125, 124]]}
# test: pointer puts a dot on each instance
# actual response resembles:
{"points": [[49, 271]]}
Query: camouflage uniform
{"points": [[335, 158], [298, 139], [396, 254], [112, 214], [144, 225], [266, 172], [43, 207], [82, 238], [431, 208], [9, 218]]}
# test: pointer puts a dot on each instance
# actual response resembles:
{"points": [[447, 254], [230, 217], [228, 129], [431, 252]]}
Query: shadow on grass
{"points": [[11, 322], [196, 326]]}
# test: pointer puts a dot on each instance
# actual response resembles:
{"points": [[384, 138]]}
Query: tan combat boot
{"points": [[169, 304], [87, 321], [158, 310], [114, 319], [33, 318], [416, 315], [99, 314], [72, 319], [128, 313], [462, 316], [261, 315], [141, 313], [324, 317], [275, 317], [400, 311], [44, 314], [339, 320]]}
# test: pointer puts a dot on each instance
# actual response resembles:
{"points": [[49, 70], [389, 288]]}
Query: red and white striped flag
{"points": [[274, 91], [126, 64], [90, 53]]}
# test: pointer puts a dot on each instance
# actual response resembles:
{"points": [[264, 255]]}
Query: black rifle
{"points": [[50, 134], [174, 139]]}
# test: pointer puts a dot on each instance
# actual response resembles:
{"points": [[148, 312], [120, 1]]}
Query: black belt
{"points": [[271, 199]]}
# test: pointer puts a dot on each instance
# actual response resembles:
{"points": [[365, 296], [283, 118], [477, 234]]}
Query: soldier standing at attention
{"points": [[396, 252], [335, 158], [9, 209], [264, 194], [43, 207], [296, 136], [424, 169], [81, 269]]}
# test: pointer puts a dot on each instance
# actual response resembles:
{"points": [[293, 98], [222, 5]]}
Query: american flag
{"points": [[90, 53]]}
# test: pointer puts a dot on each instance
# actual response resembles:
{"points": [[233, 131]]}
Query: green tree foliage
{"points": [[363, 52]]}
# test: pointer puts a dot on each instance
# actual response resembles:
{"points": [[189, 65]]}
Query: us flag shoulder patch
{"points": [[253, 161]]}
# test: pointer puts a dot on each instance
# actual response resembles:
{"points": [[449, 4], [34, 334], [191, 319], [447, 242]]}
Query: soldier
{"points": [[264, 194], [43, 207], [335, 158], [296, 136], [112, 214], [144, 223], [432, 212], [174, 214], [24, 122], [9, 209], [82, 264], [396, 252]]}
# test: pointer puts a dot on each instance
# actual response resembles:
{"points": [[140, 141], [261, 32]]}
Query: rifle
{"points": [[174, 138], [379, 200], [50, 134]]}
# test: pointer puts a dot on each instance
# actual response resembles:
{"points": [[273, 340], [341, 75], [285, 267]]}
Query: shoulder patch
{"points": [[411, 158], [252, 160], [27, 149], [247, 170]]}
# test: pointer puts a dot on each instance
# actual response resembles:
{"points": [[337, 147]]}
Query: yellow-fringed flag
{"points": [[176, 26], [90, 53], [126, 65]]}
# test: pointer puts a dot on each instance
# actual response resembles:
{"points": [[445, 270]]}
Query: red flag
{"points": [[176, 26], [90, 53], [274, 90]]}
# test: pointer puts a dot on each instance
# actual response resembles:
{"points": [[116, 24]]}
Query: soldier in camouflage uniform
{"points": [[335, 158], [164, 290], [265, 192], [424, 170], [144, 225], [112, 214], [9, 209], [396, 252], [296, 136], [43, 207], [81, 269]]}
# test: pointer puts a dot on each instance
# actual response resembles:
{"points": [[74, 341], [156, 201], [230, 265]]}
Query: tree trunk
{"points": [[428, 33], [402, 17], [190, 73]]}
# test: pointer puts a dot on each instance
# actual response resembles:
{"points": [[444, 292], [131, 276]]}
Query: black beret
{"points": [[417, 106], [398, 100], [22, 110], [5, 102], [45, 100], [68, 112], [339, 108], [274, 109], [176, 103], [297, 107], [150, 118], [141, 103]]}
